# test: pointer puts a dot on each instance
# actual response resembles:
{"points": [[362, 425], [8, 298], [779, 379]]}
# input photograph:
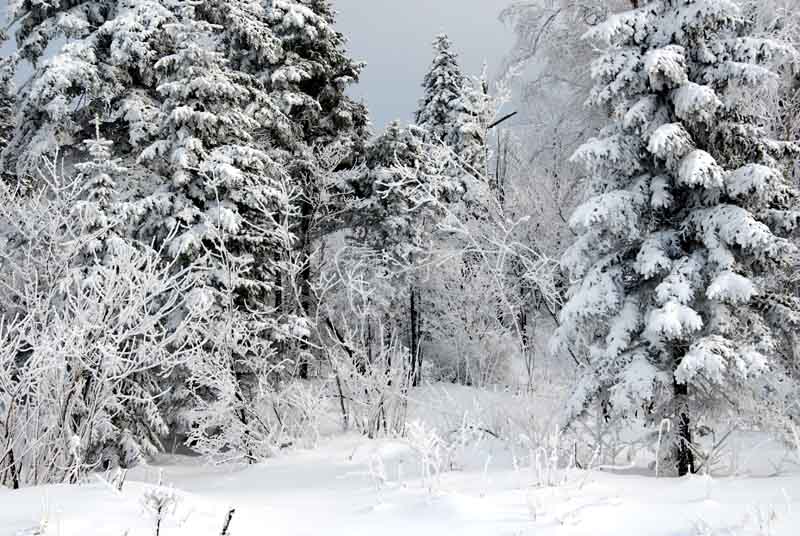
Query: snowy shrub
{"points": [[375, 380], [85, 350], [438, 452], [466, 342], [231, 416], [160, 504], [430, 449], [244, 404], [368, 363], [303, 406], [550, 459]]}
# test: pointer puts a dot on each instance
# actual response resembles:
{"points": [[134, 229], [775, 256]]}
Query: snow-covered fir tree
{"points": [[88, 311], [97, 210], [105, 68], [119, 420], [220, 214], [393, 196], [443, 89], [453, 115], [309, 78], [676, 302], [456, 111], [474, 112], [219, 183], [310, 74]]}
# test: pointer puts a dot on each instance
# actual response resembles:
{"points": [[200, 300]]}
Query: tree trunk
{"points": [[416, 355], [684, 457], [305, 310], [280, 282], [501, 168], [12, 470], [305, 281]]}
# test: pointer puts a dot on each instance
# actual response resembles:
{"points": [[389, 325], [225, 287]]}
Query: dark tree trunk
{"points": [[370, 359], [416, 354], [305, 301], [501, 168], [281, 347], [684, 457], [307, 211], [12, 470], [251, 459]]}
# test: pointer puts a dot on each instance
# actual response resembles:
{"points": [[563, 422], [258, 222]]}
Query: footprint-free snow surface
{"points": [[352, 486]]}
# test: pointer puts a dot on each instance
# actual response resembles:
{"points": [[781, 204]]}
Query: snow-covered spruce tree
{"points": [[454, 115], [474, 112], [391, 198], [104, 68], [220, 213], [446, 117], [443, 89], [310, 74], [216, 179], [455, 111], [309, 77], [104, 260], [676, 302], [389, 223], [97, 209]]}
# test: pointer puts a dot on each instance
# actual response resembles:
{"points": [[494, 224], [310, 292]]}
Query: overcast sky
{"points": [[394, 38]]}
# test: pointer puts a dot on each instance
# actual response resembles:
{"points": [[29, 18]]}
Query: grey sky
{"points": [[394, 38]]}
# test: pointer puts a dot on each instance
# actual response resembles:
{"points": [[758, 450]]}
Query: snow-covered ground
{"points": [[333, 491], [350, 486]]}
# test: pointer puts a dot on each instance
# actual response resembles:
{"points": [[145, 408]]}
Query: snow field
{"points": [[349, 485]]}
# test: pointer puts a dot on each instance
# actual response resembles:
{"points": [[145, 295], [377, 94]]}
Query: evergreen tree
{"points": [[309, 77], [392, 197], [98, 210], [104, 68], [123, 282], [219, 182], [219, 212], [311, 74], [443, 92], [456, 111], [475, 110], [676, 300], [93, 305]]}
